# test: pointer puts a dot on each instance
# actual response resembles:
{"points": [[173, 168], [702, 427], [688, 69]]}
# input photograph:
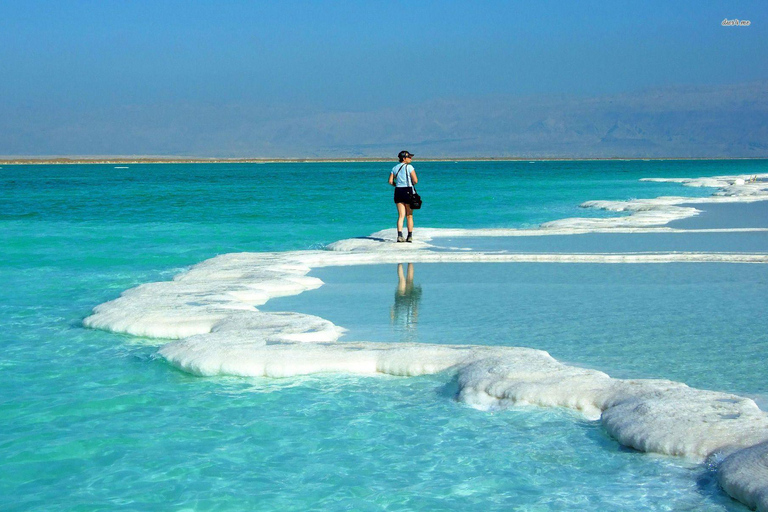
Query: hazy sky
{"points": [[361, 56]]}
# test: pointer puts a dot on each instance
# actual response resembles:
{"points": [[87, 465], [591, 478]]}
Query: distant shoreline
{"points": [[178, 160]]}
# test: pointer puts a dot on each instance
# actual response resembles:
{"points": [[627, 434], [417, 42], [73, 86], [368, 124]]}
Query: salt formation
{"points": [[744, 474], [662, 210], [211, 313]]}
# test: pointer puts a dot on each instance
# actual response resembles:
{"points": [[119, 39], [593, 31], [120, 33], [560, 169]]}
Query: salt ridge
{"points": [[211, 311]]}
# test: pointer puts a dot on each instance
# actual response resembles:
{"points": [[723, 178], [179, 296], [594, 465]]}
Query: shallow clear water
{"points": [[669, 321], [331, 443], [91, 420]]}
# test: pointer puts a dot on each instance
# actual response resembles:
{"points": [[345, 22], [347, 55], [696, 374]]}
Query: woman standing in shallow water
{"points": [[403, 178]]}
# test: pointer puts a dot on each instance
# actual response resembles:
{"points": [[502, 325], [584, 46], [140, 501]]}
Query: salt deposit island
{"points": [[210, 313]]}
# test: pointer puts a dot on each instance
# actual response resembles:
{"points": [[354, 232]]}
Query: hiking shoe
{"points": [[400, 238], [410, 238]]}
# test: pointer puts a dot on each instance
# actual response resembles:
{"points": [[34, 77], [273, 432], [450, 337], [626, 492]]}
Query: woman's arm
{"points": [[414, 178], [392, 179]]}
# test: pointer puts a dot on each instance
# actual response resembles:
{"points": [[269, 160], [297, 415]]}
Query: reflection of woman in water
{"points": [[405, 311]]}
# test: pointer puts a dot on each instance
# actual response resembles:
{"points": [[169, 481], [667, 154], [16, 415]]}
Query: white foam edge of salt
{"points": [[211, 310]]}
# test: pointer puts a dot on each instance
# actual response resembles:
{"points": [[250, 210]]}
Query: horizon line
{"points": [[215, 160]]}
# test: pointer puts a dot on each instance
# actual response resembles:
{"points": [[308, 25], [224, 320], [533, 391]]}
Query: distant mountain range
{"points": [[723, 121]]}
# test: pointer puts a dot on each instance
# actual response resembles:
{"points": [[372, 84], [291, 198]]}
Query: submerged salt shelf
{"points": [[725, 216], [718, 242], [212, 308]]}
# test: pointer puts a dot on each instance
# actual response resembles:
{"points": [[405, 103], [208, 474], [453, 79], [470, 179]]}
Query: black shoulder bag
{"points": [[415, 197]]}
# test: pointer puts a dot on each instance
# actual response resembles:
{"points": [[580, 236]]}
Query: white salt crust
{"points": [[743, 475], [662, 210], [211, 311]]}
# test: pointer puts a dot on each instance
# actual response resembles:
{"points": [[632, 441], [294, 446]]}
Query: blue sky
{"points": [[363, 56]]}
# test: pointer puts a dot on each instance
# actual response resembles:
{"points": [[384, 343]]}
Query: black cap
{"points": [[404, 154]]}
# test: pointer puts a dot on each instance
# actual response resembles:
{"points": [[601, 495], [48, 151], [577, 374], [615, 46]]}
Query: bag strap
{"points": [[407, 176], [398, 173]]}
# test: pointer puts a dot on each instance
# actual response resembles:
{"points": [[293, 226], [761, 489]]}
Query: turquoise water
{"points": [[91, 420]]}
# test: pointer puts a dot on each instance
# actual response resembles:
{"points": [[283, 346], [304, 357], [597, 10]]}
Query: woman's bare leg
{"points": [[401, 216], [409, 213]]}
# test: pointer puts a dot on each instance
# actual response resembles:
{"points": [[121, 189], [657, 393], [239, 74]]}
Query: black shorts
{"points": [[403, 195]]}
